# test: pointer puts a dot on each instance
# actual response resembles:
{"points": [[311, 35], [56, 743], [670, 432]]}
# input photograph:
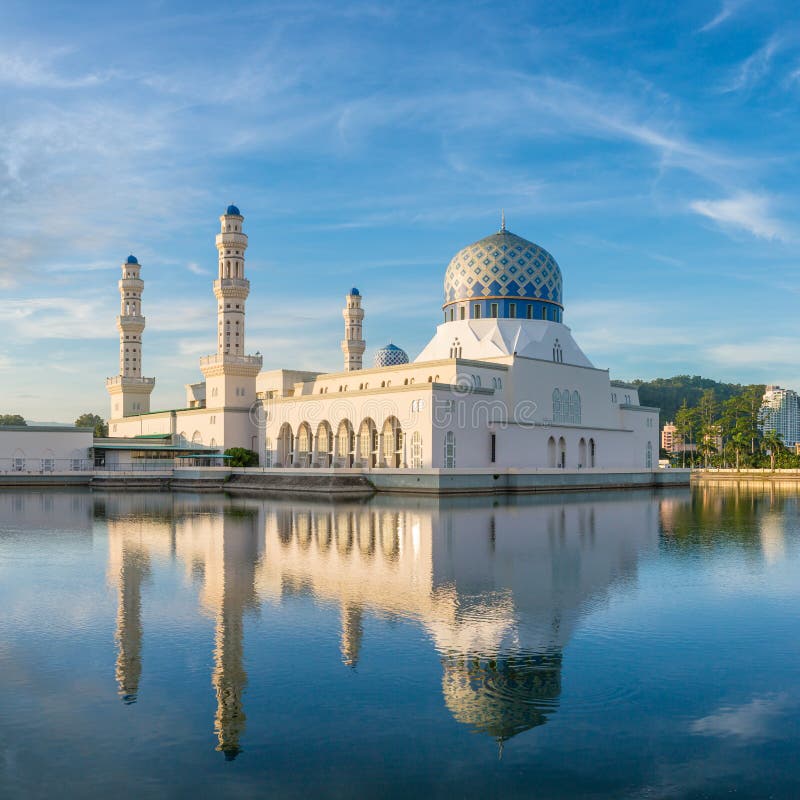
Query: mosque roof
{"points": [[503, 265], [132, 260], [232, 209]]}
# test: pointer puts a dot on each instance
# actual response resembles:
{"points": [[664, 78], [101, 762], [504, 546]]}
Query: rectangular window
{"points": [[476, 311], [494, 310], [493, 439], [530, 311], [452, 314], [544, 312], [463, 312], [512, 310]]}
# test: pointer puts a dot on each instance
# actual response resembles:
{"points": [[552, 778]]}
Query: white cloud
{"points": [[197, 269], [745, 210], [754, 68], [728, 9], [768, 353], [753, 720], [23, 70]]}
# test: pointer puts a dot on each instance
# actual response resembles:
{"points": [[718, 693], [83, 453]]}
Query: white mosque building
{"points": [[501, 385]]}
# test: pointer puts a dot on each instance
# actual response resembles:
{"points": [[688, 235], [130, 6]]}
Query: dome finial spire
{"points": [[503, 221]]}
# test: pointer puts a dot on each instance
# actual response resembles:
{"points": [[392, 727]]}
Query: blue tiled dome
{"points": [[504, 268], [390, 356], [132, 260], [233, 210], [355, 291]]}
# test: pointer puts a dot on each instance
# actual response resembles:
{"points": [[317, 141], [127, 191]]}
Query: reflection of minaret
{"points": [[352, 633], [231, 578], [133, 570]]}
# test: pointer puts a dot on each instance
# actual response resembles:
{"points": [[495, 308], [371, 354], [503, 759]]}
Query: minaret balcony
{"points": [[219, 359], [237, 283], [232, 239], [129, 380]]}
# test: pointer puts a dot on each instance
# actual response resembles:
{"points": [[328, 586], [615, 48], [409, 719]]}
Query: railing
{"points": [[227, 358], [118, 380], [241, 283], [43, 466]]}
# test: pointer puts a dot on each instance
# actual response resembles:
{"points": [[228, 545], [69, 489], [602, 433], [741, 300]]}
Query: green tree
{"points": [[93, 421], [12, 419], [241, 457], [685, 424], [773, 444]]}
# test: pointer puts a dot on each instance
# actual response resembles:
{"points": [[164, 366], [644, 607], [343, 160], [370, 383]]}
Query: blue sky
{"points": [[651, 147]]}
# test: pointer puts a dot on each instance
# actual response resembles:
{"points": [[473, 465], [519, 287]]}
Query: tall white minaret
{"points": [[230, 374], [231, 287], [353, 345], [130, 392]]}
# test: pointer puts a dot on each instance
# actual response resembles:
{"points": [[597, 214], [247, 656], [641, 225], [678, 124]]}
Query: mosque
{"points": [[501, 385]]}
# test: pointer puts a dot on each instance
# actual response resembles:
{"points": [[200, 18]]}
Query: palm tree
{"points": [[773, 443]]}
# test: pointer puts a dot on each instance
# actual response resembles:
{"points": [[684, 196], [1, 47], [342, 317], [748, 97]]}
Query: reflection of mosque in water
{"points": [[499, 590]]}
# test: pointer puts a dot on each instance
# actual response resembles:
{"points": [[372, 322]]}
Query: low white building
{"points": [[45, 448], [502, 384]]}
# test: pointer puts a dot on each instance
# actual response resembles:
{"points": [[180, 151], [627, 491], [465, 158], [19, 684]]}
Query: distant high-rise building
{"points": [[673, 442], [780, 412]]}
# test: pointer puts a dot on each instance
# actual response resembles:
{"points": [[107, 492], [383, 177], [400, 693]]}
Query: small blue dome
{"points": [[355, 291], [390, 356], [132, 260], [233, 210]]}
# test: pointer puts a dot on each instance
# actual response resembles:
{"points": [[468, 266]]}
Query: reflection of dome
{"points": [[132, 260], [390, 356], [502, 268], [233, 210], [503, 695]]}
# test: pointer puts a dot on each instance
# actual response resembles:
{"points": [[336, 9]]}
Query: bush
{"points": [[241, 457]]}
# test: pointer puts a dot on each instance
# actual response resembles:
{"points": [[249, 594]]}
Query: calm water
{"points": [[611, 645]]}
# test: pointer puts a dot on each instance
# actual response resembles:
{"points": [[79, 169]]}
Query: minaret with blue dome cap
{"points": [[130, 392], [353, 345], [230, 374]]}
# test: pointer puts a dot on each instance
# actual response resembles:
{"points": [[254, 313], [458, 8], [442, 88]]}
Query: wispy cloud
{"points": [[21, 69], [727, 10], [754, 68], [197, 269], [746, 211]]}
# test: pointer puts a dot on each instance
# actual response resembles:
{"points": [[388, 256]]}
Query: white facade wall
{"points": [[45, 448]]}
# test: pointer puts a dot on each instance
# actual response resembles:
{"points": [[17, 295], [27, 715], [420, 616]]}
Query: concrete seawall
{"points": [[753, 477], [356, 482]]}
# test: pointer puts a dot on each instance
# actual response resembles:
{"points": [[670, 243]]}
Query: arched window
{"points": [[416, 450], [566, 414], [582, 453], [592, 453], [562, 453], [449, 450], [556, 406], [576, 408], [304, 442], [197, 438], [324, 444], [551, 453], [345, 444], [18, 464], [648, 456]]}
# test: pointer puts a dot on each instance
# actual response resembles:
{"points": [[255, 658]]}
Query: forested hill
{"points": [[668, 394]]}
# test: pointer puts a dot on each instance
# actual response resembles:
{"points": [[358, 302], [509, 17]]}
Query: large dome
{"points": [[503, 275]]}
